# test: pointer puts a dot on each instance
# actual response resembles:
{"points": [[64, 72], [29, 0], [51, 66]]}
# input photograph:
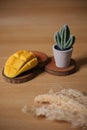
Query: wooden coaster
{"points": [[52, 69], [30, 74]]}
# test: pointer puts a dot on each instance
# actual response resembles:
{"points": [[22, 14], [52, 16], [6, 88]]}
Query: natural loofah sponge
{"points": [[67, 104]]}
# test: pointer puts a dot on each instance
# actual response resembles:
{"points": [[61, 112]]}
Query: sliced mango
{"points": [[19, 62]]}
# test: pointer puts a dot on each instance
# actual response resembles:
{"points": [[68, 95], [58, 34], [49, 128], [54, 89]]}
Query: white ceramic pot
{"points": [[62, 58]]}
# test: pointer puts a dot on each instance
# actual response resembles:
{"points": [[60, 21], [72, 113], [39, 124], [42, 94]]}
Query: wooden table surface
{"points": [[29, 24]]}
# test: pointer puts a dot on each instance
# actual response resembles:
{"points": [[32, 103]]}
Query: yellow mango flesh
{"points": [[19, 62]]}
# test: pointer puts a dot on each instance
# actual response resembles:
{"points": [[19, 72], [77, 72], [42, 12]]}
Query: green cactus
{"points": [[63, 38]]}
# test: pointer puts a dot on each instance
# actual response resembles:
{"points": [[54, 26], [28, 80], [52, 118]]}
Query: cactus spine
{"points": [[63, 38]]}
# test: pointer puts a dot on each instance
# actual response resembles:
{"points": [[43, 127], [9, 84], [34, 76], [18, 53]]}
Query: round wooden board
{"points": [[52, 69], [30, 74]]}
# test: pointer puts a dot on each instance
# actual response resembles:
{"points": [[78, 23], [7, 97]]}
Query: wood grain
{"points": [[29, 24]]}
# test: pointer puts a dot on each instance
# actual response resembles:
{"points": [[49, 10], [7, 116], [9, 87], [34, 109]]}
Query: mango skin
{"points": [[19, 62]]}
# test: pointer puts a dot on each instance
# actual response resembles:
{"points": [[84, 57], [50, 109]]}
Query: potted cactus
{"points": [[62, 49]]}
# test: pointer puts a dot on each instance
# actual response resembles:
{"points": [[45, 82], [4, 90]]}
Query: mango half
{"points": [[19, 62]]}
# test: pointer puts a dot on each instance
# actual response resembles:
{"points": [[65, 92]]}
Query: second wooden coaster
{"points": [[52, 69], [30, 74]]}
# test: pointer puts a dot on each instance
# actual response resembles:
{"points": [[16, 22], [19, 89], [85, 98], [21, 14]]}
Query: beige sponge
{"points": [[66, 105]]}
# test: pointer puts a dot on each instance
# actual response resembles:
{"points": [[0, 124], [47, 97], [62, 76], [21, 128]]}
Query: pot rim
{"points": [[53, 47]]}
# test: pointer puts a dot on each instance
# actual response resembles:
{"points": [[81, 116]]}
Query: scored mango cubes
{"points": [[19, 62]]}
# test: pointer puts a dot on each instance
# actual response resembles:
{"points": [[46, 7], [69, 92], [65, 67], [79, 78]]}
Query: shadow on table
{"points": [[81, 63]]}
